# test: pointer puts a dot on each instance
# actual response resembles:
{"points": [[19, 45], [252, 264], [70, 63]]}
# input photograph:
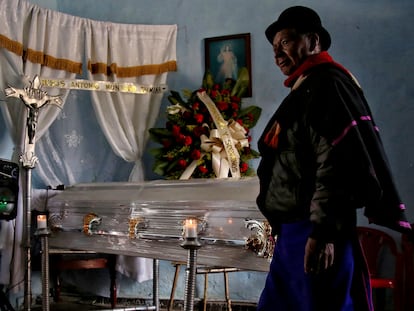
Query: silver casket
{"points": [[147, 219]]}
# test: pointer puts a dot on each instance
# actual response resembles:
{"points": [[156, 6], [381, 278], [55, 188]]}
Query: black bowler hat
{"points": [[302, 19]]}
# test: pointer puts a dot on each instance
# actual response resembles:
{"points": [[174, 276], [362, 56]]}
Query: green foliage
{"points": [[189, 122]]}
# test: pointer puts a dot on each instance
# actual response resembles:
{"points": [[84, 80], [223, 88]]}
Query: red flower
{"points": [[175, 130], [180, 138], [203, 169], [225, 92], [222, 106], [244, 167], [235, 106], [196, 106], [236, 99], [214, 94], [198, 130], [199, 117], [182, 163], [188, 140], [195, 154]]}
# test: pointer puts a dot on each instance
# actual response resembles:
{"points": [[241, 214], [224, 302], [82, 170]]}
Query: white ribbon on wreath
{"points": [[223, 143]]}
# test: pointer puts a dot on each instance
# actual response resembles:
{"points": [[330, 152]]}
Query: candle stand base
{"points": [[191, 245], [44, 234]]}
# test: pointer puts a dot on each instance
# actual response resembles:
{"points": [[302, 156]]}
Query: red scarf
{"points": [[309, 63]]}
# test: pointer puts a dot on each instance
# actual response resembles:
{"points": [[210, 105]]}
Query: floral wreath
{"points": [[207, 136]]}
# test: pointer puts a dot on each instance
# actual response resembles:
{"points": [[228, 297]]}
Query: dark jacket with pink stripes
{"points": [[322, 158]]}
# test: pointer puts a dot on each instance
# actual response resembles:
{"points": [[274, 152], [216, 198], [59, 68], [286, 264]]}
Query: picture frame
{"points": [[226, 54]]}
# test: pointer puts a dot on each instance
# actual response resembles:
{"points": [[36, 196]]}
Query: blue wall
{"points": [[373, 39]]}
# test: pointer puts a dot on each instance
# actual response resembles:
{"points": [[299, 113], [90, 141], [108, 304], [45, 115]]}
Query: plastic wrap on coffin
{"points": [[146, 219]]}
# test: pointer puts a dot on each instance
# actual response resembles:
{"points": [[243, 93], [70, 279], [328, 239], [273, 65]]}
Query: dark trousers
{"points": [[289, 288]]}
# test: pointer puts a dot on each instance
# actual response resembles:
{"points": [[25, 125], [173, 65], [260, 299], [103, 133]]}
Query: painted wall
{"points": [[373, 39]]}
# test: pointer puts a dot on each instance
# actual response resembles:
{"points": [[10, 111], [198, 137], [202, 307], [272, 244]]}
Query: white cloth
{"points": [[55, 44], [126, 118], [38, 35]]}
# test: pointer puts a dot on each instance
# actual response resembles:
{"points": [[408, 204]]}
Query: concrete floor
{"points": [[71, 302]]}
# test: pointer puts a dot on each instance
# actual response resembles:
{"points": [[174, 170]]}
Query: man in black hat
{"points": [[322, 159]]}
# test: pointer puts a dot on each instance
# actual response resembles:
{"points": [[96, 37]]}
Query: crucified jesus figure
{"points": [[34, 98]]}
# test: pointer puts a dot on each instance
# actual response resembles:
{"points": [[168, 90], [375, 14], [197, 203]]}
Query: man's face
{"points": [[290, 49]]}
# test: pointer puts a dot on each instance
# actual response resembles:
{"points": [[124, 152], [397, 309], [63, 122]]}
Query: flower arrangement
{"points": [[207, 135]]}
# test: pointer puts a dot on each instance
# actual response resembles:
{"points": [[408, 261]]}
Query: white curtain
{"points": [[36, 41], [32, 34], [126, 118]]}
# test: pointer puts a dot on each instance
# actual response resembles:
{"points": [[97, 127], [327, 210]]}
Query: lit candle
{"points": [[41, 222], [190, 228]]}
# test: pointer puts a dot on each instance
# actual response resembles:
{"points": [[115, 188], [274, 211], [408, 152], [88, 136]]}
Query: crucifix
{"points": [[34, 98]]}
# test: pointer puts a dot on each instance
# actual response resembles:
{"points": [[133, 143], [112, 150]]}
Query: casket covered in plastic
{"points": [[148, 219]]}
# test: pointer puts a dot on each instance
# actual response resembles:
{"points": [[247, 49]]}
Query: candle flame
{"points": [[41, 217], [190, 221]]}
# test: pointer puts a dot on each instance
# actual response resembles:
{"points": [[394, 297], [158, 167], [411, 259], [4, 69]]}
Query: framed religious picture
{"points": [[225, 55]]}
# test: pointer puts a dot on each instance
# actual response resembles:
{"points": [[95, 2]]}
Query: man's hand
{"points": [[319, 256]]}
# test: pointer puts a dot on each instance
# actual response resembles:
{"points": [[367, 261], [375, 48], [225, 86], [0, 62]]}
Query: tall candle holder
{"points": [[34, 99], [43, 233], [191, 243]]}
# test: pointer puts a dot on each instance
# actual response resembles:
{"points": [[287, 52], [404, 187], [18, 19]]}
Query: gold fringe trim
{"points": [[53, 62], [126, 72], [39, 57], [76, 67], [13, 46]]}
